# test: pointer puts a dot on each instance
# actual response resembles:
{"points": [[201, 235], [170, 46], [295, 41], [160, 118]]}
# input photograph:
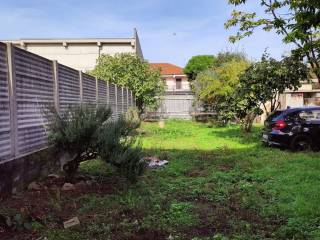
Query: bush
{"points": [[85, 133], [118, 146], [128, 161], [132, 118], [75, 132]]}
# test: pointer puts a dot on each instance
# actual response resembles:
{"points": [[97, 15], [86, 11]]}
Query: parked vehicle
{"points": [[295, 128]]}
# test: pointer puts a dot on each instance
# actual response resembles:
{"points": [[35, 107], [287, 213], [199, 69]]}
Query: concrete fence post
{"points": [[116, 99], [97, 91], [108, 100], [81, 86], [56, 85], [122, 99], [128, 104], [12, 101]]}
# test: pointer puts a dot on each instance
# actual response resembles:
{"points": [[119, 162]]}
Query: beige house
{"points": [[173, 76], [80, 54], [307, 95], [178, 99]]}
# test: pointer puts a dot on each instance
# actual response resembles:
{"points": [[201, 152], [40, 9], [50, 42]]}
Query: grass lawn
{"points": [[219, 184]]}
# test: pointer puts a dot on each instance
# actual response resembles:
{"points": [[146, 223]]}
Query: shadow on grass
{"points": [[244, 191], [233, 133]]}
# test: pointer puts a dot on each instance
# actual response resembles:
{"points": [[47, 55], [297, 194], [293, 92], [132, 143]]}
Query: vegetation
{"points": [[261, 85], [85, 133], [219, 184], [133, 72], [117, 145], [213, 87], [75, 131], [198, 64], [297, 21]]}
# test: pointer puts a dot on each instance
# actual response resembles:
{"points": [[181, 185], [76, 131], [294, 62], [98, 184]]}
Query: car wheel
{"points": [[301, 143]]}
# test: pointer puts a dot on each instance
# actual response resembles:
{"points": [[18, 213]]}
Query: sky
{"points": [[169, 30]]}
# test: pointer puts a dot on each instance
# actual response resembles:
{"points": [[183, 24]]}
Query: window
{"points": [[310, 115], [178, 83]]}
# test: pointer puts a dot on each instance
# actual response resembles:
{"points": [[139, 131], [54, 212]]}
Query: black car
{"points": [[295, 128]]}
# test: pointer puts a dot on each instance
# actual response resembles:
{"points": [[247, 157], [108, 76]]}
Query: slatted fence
{"points": [[29, 84]]}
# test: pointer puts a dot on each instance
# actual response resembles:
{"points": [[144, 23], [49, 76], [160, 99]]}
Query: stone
{"points": [[53, 176], [71, 222], [34, 186], [68, 187]]}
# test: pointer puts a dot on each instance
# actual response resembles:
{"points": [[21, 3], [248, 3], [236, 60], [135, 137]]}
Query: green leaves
{"points": [[133, 72], [214, 86], [198, 64], [264, 81], [298, 22]]}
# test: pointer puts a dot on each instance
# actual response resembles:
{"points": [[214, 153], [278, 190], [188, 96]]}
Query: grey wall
{"points": [[30, 83]]}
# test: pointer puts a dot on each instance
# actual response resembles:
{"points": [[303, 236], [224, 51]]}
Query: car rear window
{"points": [[310, 115], [274, 115]]}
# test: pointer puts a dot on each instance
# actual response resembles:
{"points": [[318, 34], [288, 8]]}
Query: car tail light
{"points": [[280, 124]]}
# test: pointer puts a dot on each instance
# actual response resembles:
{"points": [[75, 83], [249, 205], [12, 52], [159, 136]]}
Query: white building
{"points": [[80, 54], [178, 99], [307, 95]]}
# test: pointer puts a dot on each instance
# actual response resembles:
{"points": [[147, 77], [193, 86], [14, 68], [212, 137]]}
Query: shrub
{"points": [[128, 161], [85, 133], [132, 118], [118, 146], [75, 131]]}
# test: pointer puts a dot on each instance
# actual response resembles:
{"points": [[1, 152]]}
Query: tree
{"points": [[85, 133], [298, 21], [198, 64], [133, 72], [75, 131], [214, 86], [225, 57], [261, 85]]}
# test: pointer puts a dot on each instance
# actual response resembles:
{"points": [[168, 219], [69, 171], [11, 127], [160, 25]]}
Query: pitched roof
{"points": [[167, 68]]}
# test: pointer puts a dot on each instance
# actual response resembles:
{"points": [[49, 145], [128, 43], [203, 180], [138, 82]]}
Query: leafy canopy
{"points": [[220, 80], [298, 21], [264, 81], [198, 64], [214, 86], [133, 72]]}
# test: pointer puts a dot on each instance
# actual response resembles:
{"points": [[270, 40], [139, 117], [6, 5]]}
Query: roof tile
{"points": [[167, 68]]}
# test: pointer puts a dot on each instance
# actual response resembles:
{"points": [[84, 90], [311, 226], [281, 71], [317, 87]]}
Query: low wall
{"points": [[15, 175]]}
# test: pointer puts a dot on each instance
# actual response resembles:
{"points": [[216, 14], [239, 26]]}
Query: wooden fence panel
{"points": [[112, 99], [5, 144], [102, 92], [69, 87], [89, 89], [34, 93]]}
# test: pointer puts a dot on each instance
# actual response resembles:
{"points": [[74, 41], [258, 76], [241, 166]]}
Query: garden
{"points": [[219, 183]]}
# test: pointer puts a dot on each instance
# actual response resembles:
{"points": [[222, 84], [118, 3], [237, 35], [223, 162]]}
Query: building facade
{"points": [[178, 99], [80, 54], [307, 95]]}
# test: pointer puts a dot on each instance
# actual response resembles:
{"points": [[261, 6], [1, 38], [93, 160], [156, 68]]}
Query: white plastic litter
{"points": [[155, 162]]}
